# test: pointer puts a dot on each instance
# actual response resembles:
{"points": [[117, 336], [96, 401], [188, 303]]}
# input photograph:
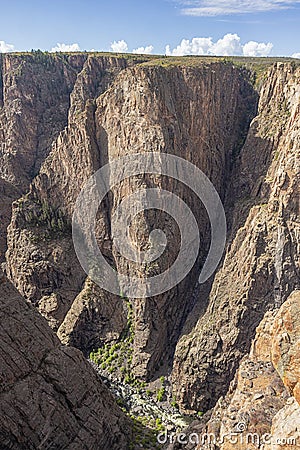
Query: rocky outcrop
{"points": [[286, 344], [257, 412], [261, 265], [50, 395], [94, 317], [255, 396], [8, 193]]}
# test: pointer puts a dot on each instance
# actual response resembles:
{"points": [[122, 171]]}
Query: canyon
{"points": [[223, 352]]}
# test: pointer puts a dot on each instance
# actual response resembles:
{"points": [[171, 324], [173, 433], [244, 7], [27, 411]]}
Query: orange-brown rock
{"points": [[254, 414], [255, 395], [285, 432], [286, 344]]}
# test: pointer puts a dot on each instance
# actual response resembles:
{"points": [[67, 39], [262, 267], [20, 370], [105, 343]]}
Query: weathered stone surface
{"points": [[285, 434], [34, 104], [94, 317], [50, 396], [286, 344], [34, 109], [164, 111], [45, 268], [8, 193], [255, 395], [254, 412], [261, 265]]}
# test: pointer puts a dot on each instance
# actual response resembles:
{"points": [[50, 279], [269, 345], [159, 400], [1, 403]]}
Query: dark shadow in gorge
{"points": [[245, 190]]}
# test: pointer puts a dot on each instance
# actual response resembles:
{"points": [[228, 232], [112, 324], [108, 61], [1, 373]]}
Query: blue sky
{"points": [[272, 25]]}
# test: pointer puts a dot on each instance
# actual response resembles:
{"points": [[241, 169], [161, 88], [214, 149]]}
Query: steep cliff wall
{"points": [[44, 267], [199, 113], [34, 105], [261, 265]]}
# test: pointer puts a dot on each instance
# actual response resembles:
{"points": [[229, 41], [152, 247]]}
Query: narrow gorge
{"points": [[199, 357]]}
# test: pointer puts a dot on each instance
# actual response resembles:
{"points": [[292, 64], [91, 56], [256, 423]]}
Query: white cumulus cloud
{"points": [[65, 48], [227, 7], [253, 48], [197, 46], [296, 55], [144, 50], [5, 48], [119, 46], [229, 45]]}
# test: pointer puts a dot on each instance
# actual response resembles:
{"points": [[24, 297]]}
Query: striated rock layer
{"points": [[261, 265], [286, 344], [34, 104], [146, 108], [41, 260], [258, 411], [50, 397]]}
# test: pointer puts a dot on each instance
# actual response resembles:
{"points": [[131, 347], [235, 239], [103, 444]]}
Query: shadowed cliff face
{"points": [[34, 104], [261, 265], [114, 107]]}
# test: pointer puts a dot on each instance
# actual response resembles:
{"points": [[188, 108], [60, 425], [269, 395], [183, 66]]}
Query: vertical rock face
{"points": [[261, 265], [34, 103], [45, 268], [34, 109], [50, 396], [171, 110], [8, 194], [146, 108]]}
